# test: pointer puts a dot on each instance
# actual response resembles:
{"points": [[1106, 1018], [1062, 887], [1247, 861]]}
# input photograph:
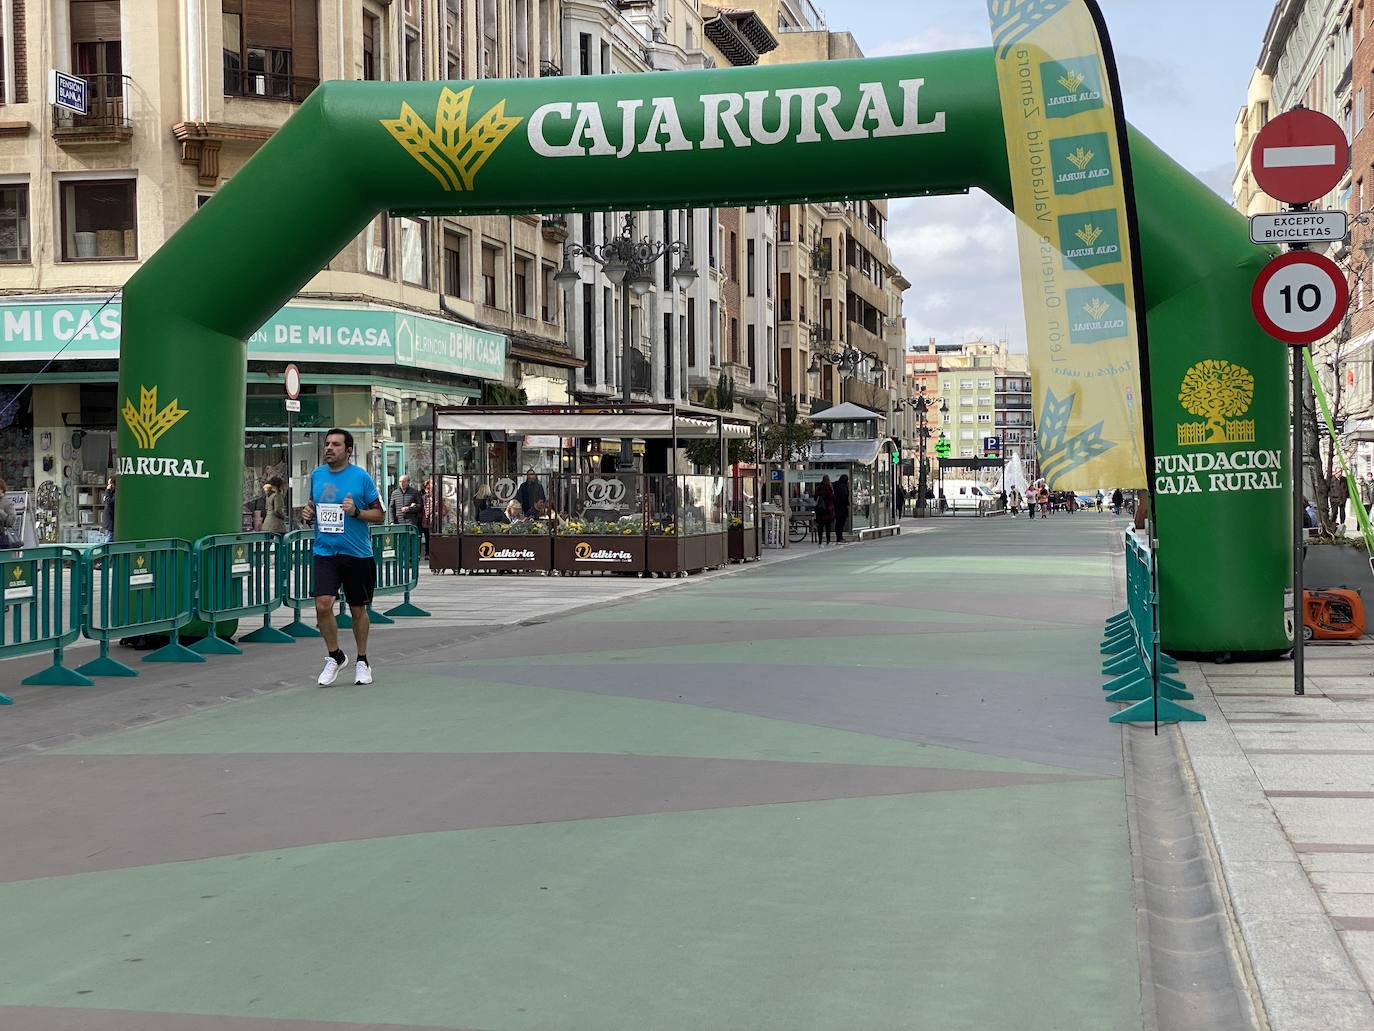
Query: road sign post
{"points": [[1298, 298], [292, 378]]}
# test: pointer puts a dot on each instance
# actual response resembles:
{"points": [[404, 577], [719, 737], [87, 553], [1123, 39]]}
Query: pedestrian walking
{"points": [[1015, 501], [1116, 501], [841, 507], [10, 536], [1044, 502], [107, 508], [343, 503], [1032, 500], [274, 506], [824, 513], [529, 495], [901, 502], [1098, 499], [1339, 496], [426, 513]]}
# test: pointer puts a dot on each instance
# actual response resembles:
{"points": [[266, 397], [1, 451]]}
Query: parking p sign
{"points": [[992, 445]]}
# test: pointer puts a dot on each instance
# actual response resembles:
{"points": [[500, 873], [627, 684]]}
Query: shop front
{"points": [[378, 372], [849, 443]]}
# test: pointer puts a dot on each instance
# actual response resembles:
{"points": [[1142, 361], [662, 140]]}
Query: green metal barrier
{"points": [[137, 587], [1131, 647], [396, 549], [43, 591], [236, 577], [297, 571]]}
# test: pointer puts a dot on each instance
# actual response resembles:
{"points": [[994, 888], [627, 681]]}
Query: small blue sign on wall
{"points": [[68, 91]]}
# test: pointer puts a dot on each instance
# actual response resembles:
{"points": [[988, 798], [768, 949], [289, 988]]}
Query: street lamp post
{"points": [[921, 405], [628, 263]]}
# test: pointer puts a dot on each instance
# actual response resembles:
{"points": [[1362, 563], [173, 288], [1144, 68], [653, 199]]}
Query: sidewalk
{"points": [[1288, 787]]}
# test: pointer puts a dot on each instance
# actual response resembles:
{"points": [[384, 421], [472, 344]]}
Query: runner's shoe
{"points": [[362, 673], [330, 673]]}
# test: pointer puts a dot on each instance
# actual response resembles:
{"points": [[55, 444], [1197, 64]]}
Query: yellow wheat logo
{"points": [[1081, 158], [1071, 81], [1096, 308], [146, 422], [1088, 234], [18, 573], [452, 152]]}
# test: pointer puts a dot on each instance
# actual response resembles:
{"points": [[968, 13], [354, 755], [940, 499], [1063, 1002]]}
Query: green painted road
{"points": [[873, 789]]}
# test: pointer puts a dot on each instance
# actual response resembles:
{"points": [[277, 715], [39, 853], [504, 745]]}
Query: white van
{"points": [[967, 496]]}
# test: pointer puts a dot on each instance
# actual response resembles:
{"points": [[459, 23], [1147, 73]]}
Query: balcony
{"points": [[547, 70], [554, 228], [107, 118], [268, 86]]}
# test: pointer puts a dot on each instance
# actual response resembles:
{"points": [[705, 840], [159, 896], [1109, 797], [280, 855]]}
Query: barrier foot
{"points": [[267, 634], [376, 617], [56, 675], [1125, 680], [6, 700], [211, 645], [1118, 618], [343, 621], [1150, 709], [1121, 664], [1167, 663], [104, 666], [299, 628], [1175, 689], [174, 651], [1140, 690], [406, 610], [1117, 645]]}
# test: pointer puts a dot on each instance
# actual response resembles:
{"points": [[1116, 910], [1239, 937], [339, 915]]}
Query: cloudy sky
{"points": [[1185, 66]]}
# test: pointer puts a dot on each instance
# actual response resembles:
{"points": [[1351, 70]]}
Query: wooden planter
{"points": [[667, 555], [445, 554], [611, 553], [717, 550], [507, 552], [743, 543]]}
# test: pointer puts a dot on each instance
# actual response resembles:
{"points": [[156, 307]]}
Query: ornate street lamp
{"points": [[628, 263]]}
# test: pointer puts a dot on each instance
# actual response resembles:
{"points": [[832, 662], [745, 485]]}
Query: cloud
{"points": [[959, 253], [1219, 178], [1150, 81]]}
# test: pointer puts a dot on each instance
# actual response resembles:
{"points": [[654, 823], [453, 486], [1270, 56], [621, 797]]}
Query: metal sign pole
{"points": [[1299, 604]]}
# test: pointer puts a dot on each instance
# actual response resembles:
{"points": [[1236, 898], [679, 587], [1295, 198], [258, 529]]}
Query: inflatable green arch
{"points": [[882, 127]]}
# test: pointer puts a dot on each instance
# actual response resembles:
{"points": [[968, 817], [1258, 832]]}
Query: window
{"points": [[99, 219], [734, 340], [14, 222], [377, 246], [520, 44], [605, 58], [272, 50], [749, 266], [550, 293], [985, 384], [414, 252], [453, 40], [691, 331], [768, 266], [488, 34], [584, 53], [985, 417], [1359, 108], [372, 41], [522, 286], [455, 265], [966, 417], [489, 296], [588, 334], [752, 354], [734, 256], [414, 57]]}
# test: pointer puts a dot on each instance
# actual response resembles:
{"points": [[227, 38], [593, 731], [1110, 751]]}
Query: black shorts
{"points": [[357, 576]]}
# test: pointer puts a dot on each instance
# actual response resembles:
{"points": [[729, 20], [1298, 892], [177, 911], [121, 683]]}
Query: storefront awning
{"points": [[847, 412], [860, 452], [643, 423]]}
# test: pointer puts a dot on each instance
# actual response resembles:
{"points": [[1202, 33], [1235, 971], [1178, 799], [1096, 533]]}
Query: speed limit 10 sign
{"points": [[1300, 297]]}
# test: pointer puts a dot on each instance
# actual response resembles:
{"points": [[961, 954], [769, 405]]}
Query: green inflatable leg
{"points": [[267, 634], [104, 666], [174, 651], [1165, 710]]}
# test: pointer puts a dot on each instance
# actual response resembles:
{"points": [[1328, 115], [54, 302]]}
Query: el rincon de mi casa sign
{"points": [[776, 134]]}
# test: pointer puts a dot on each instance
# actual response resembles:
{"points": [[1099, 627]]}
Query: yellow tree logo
{"points": [[147, 422], [1081, 158], [1217, 391], [1096, 308], [451, 151]]}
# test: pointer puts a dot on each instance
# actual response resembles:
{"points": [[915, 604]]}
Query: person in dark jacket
{"points": [[405, 504], [107, 513], [841, 507], [529, 495], [825, 510], [1117, 500]]}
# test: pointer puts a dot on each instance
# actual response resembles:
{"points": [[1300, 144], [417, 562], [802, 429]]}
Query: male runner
{"points": [[343, 500]]}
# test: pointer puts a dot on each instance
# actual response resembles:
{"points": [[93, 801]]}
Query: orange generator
{"points": [[1332, 614]]}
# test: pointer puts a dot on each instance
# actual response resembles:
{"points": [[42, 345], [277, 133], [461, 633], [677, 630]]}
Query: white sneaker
{"points": [[362, 673], [330, 673]]}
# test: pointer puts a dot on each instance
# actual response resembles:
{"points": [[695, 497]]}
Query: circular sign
{"points": [[293, 382], [1300, 297], [1299, 156]]}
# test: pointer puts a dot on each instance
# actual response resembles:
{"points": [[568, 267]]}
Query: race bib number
{"points": [[331, 518]]}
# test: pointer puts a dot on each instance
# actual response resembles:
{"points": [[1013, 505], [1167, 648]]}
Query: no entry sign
{"points": [[1300, 297], [1299, 156]]}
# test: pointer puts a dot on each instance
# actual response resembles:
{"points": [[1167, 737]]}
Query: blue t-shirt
{"points": [[335, 532]]}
